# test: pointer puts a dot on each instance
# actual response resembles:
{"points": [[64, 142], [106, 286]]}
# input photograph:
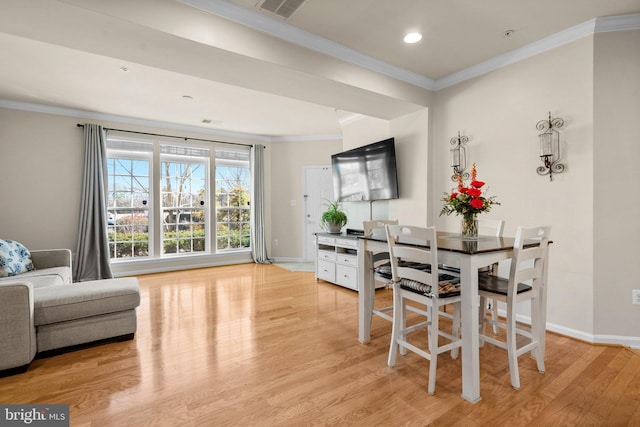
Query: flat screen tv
{"points": [[366, 173]]}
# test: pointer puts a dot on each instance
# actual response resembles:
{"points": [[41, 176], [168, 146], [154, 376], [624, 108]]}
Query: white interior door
{"points": [[317, 186]]}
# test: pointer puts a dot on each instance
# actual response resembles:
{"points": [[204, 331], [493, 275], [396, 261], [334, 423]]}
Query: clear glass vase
{"points": [[469, 226]]}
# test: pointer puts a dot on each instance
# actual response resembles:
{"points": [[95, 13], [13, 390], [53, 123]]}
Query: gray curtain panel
{"points": [[92, 251], [258, 241]]}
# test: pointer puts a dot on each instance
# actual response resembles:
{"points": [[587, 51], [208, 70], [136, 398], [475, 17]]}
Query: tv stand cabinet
{"points": [[337, 259]]}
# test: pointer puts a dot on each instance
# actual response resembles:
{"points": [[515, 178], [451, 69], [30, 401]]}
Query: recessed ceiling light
{"points": [[412, 38], [187, 96], [206, 120], [124, 69], [507, 34]]}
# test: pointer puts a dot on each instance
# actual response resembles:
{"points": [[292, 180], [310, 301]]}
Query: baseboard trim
{"points": [[137, 268], [626, 341], [287, 259], [632, 342]]}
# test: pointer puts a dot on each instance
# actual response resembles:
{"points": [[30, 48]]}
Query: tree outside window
{"points": [[183, 207], [128, 207], [233, 211]]}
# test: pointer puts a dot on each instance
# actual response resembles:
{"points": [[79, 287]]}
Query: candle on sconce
{"points": [[455, 157], [546, 144]]}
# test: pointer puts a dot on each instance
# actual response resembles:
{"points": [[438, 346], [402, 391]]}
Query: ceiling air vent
{"points": [[282, 8]]}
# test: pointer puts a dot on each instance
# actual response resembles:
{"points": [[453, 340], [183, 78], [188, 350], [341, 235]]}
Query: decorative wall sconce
{"points": [[550, 146], [458, 156]]}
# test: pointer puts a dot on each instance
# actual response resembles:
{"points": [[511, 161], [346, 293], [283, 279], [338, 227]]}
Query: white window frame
{"points": [[204, 161], [152, 153], [148, 157], [233, 163]]}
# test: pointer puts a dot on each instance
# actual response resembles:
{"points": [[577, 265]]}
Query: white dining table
{"points": [[453, 250]]}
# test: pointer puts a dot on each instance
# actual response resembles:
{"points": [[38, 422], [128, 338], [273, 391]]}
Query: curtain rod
{"points": [[80, 125]]}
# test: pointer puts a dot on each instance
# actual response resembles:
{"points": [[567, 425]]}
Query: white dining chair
{"points": [[379, 262], [382, 267], [527, 282], [491, 227], [412, 281]]}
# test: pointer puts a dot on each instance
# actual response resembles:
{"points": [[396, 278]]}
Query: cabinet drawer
{"points": [[327, 255], [327, 240], [347, 243], [326, 271], [347, 276], [345, 259]]}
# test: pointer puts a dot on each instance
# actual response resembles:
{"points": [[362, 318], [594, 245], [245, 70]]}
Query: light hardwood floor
{"points": [[260, 345]]}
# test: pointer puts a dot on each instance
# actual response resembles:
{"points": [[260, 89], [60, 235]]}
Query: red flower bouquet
{"points": [[468, 201]]}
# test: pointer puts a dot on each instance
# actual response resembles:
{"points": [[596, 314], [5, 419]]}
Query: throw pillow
{"points": [[14, 258]]}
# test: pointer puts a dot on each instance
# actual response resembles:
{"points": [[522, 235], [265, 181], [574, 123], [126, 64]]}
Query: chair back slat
{"points": [[414, 274]]}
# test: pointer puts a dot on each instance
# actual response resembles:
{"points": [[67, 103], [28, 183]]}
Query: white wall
{"points": [[411, 143], [41, 159], [498, 112], [412, 158], [364, 130], [356, 133], [288, 159], [616, 167]]}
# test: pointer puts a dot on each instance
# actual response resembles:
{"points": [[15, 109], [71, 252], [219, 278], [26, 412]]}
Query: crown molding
{"points": [[527, 51], [618, 23], [285, 31], [306, 138], [91, 115], [292, 34], [604, 24], [83, 114]]}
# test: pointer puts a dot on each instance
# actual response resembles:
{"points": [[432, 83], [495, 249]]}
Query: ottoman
{"points": [[84, 312]]}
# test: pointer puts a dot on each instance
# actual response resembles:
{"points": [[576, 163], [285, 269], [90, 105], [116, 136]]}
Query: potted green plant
{"points": [[333, 219]]}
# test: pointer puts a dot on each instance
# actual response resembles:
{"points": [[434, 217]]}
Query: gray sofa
{"points": [[43, 312]]}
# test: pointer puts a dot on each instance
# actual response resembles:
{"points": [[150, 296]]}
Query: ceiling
{"points": [[230, 67]]}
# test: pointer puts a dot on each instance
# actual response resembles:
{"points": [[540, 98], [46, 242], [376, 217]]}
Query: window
{"points": [[233, 213], [158, 198], [128, 202], [184, 199]]}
